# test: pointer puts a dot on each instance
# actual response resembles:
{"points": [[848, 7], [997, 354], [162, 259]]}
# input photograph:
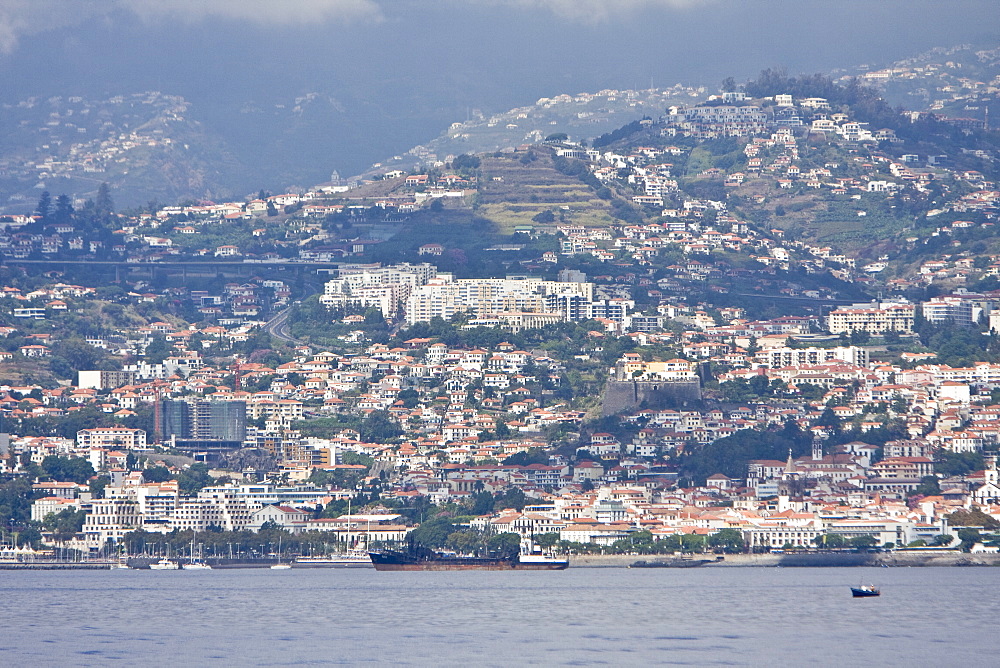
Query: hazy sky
{"points": [[536, 44], [401, 70]]}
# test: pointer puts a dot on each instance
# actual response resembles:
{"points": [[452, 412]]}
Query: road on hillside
{"points": [[278, 326]]}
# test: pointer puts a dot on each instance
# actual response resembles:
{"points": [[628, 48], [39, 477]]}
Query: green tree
{"points": [[546, 541], [357, 458], [379, 427], [511, 497], [692, 542], [434, 532], [157, 474], [972, 518], [504, 544], [525, 458], [860, 337], [65, 524], [969, 537], [863, 542], [928, 487], [193, 479], [948, 463], [466, 541], [158, 350], [729, 541], [67, 469], [104, 206], [830, 540], [482, 503], [44, 208], [97, 485], [466, 162], [64, 210]]}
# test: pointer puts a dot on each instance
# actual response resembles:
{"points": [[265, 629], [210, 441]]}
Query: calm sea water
{"points": [[708, 616]]}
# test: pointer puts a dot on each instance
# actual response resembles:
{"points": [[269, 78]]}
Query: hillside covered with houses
{"points": [[759, 321]]}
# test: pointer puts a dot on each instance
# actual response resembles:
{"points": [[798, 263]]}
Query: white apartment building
{"points": [[215, 507], [874, 318], [288, 410], [111, 437], [52, 505], [184, 365], [445, 296], [981, 374], [110, 519], [955, 309], [782, 357], [372, 286], [156, 503]]}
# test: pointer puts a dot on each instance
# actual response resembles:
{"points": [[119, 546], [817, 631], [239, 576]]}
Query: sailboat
{"points": [[121, 564], [280, 566], [195, 564]]}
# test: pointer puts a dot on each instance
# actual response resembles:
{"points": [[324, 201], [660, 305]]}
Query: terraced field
{"points": [[513, 192]]}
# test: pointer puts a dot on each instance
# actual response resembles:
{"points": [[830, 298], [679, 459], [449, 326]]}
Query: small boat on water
{"points": [[280, 566], [164, 564], [121, 564], [195, 563], [865, 591], [196, 566]]}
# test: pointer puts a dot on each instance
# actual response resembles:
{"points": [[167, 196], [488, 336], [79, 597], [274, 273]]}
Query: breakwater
{"points": [[55, 565]]}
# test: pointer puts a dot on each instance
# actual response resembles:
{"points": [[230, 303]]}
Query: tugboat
{"points": [[864, 591]]}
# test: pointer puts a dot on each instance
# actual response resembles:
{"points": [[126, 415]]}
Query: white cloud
{"points": [[260, 11], [21, 18], [596, 11]]}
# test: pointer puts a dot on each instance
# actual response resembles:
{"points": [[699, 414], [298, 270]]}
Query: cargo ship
{"points": [[417, 558]]}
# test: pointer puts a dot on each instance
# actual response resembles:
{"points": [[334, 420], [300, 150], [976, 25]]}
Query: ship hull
{"points": [[402, 562]]}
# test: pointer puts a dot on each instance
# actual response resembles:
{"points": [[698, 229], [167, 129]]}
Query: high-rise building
{"points": [[203, 425]]}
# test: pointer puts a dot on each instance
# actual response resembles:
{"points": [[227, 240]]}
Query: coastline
{"points": [[948, 558], [844, 560]]}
